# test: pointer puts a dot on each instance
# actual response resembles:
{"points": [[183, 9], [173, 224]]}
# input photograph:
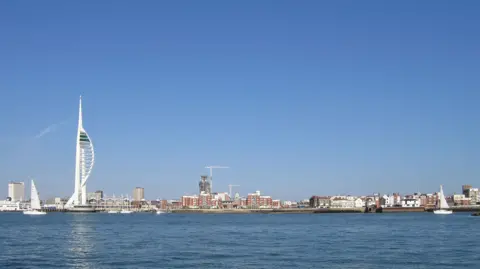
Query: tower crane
{"points": [[230, 190], [211, 167]]}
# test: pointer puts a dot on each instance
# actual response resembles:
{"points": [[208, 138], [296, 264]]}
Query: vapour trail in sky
{"points": [[50, 128]]}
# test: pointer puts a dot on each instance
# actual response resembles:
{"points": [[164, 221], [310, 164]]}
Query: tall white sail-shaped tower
{"points": [[84, 160]]}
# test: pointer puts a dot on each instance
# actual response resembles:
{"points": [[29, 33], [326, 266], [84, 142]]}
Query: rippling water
{"points": [[417, 240]]}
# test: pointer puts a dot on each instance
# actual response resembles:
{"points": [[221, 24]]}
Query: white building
{"points": [[410, 202], [359, 202], [341, 202], [6, 205], [16, 191], [392, 200]]}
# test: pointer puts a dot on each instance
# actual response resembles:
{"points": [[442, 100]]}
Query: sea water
{"points": [[400, 240]]}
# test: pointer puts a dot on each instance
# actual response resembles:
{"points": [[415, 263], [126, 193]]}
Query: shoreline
{"points": [[386, 210]]}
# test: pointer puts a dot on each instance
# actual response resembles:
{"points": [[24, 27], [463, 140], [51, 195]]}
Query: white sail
{"points": [[443, 201], [34, 198]]}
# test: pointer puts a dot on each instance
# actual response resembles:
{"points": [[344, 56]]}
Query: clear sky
{"points": [[297, 97]]}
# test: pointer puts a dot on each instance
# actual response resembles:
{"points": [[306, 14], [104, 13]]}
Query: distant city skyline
{"points": [[321, 98]]}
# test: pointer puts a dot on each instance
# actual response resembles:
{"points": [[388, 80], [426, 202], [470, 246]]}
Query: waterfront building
{"points": [[423, 200], [229, 204], [341, 202], [276, 204], [190, 201], [410, 202], [319, 201], [431, 200], [473, 194], [392, 200], [138, 194], [84, 161], [289, 204], [370, 201], [304, 203], [16, 191], [205, 200], [265, 201], [256, 200], [9, 205], [253, 199], [243, 202], [175, 204], [359, 203], [460, 200]]}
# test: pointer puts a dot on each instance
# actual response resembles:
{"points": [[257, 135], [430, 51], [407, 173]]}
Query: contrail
{"points": [[50, 129]]}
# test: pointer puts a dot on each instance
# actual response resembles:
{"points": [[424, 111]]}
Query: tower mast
{"points": [[78, 179]]}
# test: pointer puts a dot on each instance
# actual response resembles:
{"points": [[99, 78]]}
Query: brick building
{"points": [[190, 201]]}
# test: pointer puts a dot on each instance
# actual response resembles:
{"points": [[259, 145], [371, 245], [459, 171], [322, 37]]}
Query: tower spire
{"points": [[80, 114]]}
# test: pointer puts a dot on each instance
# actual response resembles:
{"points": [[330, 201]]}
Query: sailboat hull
{"points": [[34, 212], [442, 212]]}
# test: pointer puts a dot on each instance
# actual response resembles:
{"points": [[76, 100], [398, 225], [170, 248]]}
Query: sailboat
{"points": [[443, 208], [34, 202]]}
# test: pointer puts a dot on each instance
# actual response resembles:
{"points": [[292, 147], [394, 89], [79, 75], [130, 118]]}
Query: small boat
{"points": [[113, 211], [126, 211], [477, 214], [443, 208], [160, 212], [35, 206]]}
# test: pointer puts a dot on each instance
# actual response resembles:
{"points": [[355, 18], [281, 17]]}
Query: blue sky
{"points": [[317, 97]]}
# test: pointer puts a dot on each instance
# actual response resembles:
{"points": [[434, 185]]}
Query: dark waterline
{"points": [[409, 240]]}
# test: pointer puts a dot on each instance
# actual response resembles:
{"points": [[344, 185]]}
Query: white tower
{"points": [[84, 160]]}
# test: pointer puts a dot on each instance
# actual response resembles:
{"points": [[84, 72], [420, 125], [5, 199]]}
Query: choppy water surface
{"points": [[416, 240]]}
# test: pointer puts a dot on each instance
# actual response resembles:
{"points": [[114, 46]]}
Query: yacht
{"points": [[443, 208], [34, 202]]}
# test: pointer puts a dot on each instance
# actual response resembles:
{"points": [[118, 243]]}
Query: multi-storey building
{"points": [[265, 201], [410, 202], [16, 191], [341, 202], [465, 190], [431, 200], [138, 194], [473, 195], [359, 202], [204, 185], [243, 202], [205, 200], [276, 204], [163, 204], [99, 195], [190, 201], [255, 200], [320, 201]]}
